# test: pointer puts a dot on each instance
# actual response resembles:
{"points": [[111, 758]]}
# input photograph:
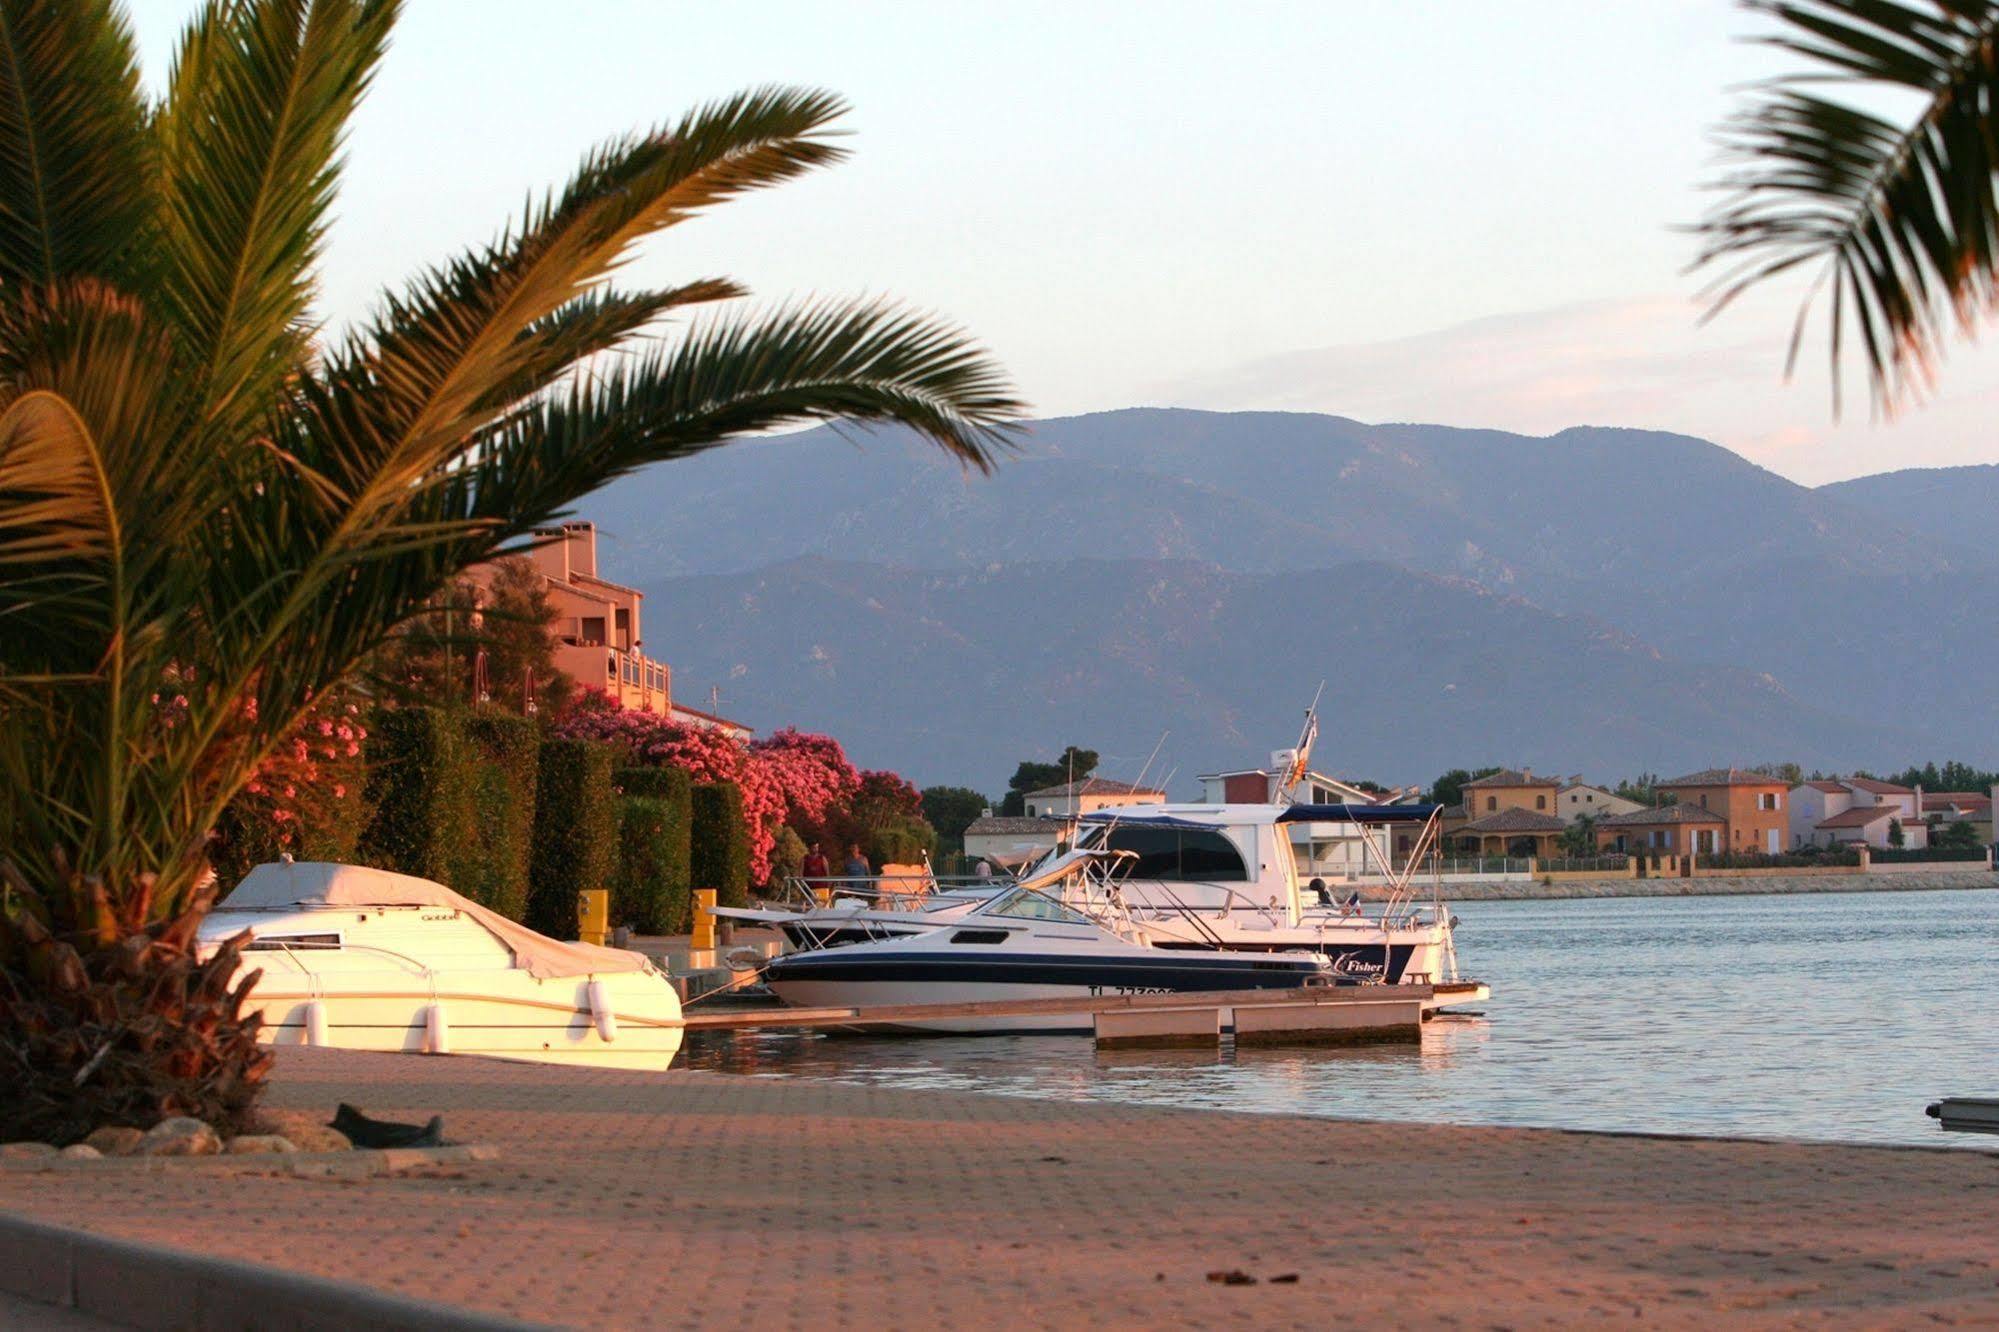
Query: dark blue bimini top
{"points": [[1358, 813]]}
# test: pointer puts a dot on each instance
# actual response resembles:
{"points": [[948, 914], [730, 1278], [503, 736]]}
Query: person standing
{"points": [[814, 866], [857, 864]]}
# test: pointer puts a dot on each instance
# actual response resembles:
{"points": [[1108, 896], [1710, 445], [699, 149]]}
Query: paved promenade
{"points": [[684, 1199]]}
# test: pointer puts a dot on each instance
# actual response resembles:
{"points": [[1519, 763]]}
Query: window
{"points": [[1703, 800], [1492, 802], [271, 943], [1178, 853], [1767, 800], [1026, 904], [1540, 802]]}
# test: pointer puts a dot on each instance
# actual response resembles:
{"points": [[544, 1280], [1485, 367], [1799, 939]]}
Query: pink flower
{"points": [[339, 791]]}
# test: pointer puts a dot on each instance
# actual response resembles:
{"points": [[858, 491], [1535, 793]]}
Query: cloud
{"points": [[1647, 363]]}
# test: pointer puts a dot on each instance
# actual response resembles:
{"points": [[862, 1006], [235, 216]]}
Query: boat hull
{"points": [[843, 978], [534, 1028]]}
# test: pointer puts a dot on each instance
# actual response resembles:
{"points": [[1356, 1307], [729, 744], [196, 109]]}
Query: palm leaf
{"points": [[73, 157], [249, 138], [1900, 219]]}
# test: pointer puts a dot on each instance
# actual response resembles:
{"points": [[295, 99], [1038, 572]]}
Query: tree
{"points": [[210, 516], [1579, 838], [436, 657], [1074, 765], [1896, 837], [1960, 835], [1898, 217], [951, 810], [1449, 789]]}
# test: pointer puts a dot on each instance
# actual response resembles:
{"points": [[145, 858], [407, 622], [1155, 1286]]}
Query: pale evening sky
{"points": [[1454, 212]]}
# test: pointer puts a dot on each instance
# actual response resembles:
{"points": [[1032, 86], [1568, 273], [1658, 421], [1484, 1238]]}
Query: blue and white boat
{"points": [[1024, 944]]}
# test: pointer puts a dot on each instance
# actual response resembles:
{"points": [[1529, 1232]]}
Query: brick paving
{"points": [[691, 1199]]}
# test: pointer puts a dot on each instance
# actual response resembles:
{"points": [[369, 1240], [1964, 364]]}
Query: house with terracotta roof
{"points": [[1512, 830], [1752, 805], [1070, 800], [1676, 829], [1013, 840], [1836, 811], [1943, 808], [1579, 799], [1511, 788]]}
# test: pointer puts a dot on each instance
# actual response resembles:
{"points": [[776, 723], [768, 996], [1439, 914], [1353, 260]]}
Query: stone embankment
{"points": [[1523, 890]]}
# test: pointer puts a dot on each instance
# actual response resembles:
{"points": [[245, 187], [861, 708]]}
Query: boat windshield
{"points": [[1027, 904]]}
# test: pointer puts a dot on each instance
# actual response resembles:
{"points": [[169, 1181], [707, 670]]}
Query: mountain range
{"points": [[1598, 600]]}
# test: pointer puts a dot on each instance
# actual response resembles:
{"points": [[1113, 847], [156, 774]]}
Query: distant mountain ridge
{"points": [[1829, 625]]}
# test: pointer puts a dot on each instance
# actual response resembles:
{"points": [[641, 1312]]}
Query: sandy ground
{"points": [[684, 1199]]}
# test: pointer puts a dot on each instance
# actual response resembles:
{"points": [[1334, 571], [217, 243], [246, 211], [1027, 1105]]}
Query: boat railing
{"points": [[890, 892]]}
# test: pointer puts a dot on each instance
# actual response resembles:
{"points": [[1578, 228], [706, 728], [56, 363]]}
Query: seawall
{"points": [[1517, 890]]}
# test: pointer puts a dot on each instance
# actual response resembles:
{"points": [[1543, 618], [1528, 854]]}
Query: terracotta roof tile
{"points": [[1859, 816], [1512, 777], [1645, 818], [1515, 820]]}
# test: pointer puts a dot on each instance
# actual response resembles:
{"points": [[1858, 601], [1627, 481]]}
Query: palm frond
{"points": [[869, 363], [1901, 220], [433, 367], [249, 142], [74, 194]]}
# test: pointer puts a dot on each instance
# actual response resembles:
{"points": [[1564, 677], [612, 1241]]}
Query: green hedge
{"points": [[417, 790], [491, 865], [453, 796], [719, 853], [649, 891], [574, 844]]}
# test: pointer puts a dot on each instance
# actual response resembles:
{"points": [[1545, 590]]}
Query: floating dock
{"points": [[1319, 1015]]}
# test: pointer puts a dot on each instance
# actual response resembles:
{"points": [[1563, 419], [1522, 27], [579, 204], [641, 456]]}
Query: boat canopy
{"points": [[307, 883], [1358, 813]]}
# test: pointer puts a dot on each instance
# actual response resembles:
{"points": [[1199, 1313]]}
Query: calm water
{"points": [[1837, 1016]]}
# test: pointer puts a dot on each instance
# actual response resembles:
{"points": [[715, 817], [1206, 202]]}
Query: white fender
{"points": [[315, 1023], [436, 1030], [601, 1012]]}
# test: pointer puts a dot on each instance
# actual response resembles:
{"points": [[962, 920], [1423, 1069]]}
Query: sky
{"points": [[1468, 212]]}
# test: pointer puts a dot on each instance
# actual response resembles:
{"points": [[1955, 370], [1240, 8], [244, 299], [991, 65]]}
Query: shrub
{"points": [[662, 857], [416, 790], [719, 851], [453, 797], [575, 829], [649, 890], [490, 863], [787, 856]]}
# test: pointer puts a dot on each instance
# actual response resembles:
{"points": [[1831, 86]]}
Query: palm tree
{"points": [[1898, 217], [210, 515]]}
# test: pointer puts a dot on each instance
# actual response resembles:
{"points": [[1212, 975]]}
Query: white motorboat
{"points": [[1208, 876], [364, 959], [1022, 944]]}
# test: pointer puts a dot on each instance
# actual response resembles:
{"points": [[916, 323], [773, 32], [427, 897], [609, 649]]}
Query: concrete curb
{"points": [[151, 1287], [359, 1164]]}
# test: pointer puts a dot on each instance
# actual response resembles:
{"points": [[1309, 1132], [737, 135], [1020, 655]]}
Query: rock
{"points": [[115, 1140], [180, 1137], [305, 1132], [254, 1144], [81, 1151], [25, 1151]]}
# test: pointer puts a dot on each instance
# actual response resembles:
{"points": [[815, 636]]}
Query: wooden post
{"points": [[705, 900], [593, 915]]}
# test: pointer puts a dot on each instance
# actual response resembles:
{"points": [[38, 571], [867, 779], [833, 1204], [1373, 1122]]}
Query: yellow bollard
{"points": [[704, 920], [593, 915]]}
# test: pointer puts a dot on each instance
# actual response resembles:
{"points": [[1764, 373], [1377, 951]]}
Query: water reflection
{"points": [[1824, 1016]]}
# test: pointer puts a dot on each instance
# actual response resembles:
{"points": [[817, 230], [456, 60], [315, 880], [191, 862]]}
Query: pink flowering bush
{"points": [[305, 798], [790, 779], [812, 772]]}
